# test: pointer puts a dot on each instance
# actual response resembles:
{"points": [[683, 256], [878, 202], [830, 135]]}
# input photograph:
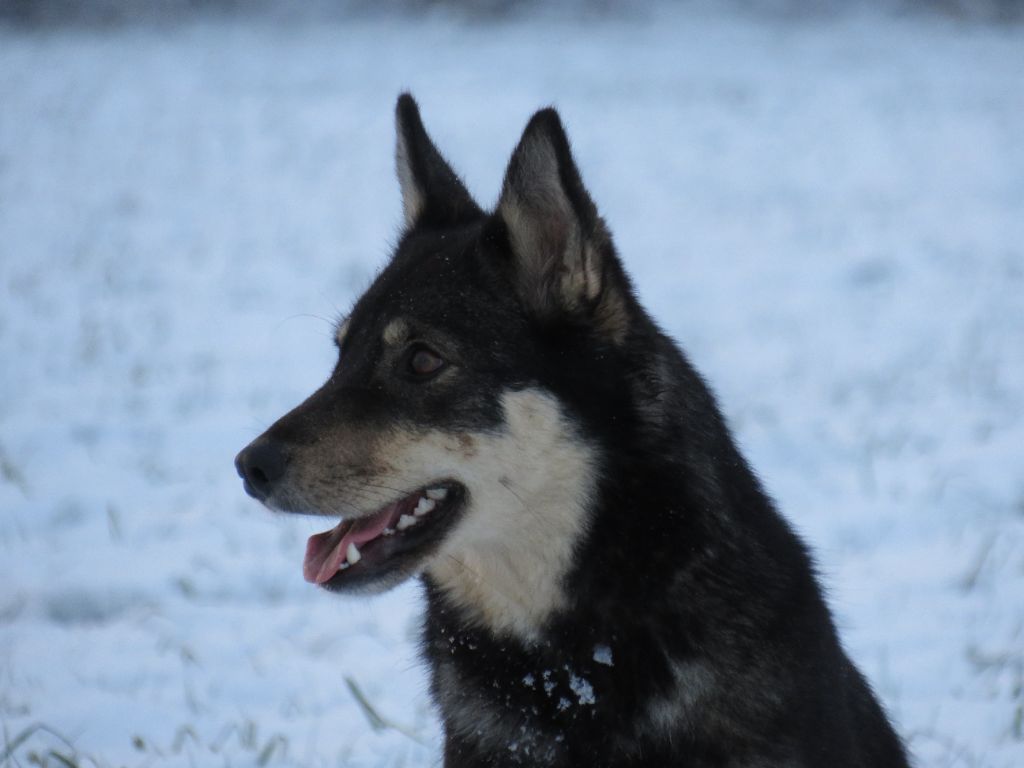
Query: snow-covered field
{"points": [[827, 211]]}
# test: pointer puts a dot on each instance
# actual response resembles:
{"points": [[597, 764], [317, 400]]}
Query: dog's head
{"points": [[456, 432]]}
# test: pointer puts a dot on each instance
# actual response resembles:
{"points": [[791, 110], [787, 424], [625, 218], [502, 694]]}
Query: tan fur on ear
{"points": [[412, 195], [545, 232], [611, 315], [431, 190], [560, 257]]}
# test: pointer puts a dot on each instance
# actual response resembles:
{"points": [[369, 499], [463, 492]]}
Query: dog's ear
{"points": [[432, 195], [564, 258]]}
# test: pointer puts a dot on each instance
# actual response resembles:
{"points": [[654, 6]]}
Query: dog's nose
{"points": [[260, 465]]}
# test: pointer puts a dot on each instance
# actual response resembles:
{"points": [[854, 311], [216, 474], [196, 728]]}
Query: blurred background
{"points": [[822, 201]]}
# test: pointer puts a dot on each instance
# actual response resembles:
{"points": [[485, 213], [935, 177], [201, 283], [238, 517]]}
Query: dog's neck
{"points": [[505, 567]]}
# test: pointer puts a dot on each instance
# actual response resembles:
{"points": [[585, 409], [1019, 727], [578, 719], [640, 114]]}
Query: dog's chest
{"points": [[499, 699]]}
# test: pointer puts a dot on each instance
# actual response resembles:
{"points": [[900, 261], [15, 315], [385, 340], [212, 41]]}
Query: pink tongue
{"points": [[325, 552]]}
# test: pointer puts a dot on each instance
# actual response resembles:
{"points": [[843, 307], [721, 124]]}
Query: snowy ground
{"points": [[828, 212]]}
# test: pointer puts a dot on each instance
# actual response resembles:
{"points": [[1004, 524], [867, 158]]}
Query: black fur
{"points": [[722, 650]]}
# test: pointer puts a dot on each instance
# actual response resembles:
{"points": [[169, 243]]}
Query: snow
{"points": [[827, 211], [603, 655], [582, 688]]}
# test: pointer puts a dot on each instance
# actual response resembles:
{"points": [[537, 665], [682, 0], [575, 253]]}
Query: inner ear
{"points": [[560, 245], [432, 193]]}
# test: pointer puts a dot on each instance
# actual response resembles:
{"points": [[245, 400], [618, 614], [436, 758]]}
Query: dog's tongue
{"points": [[325, 552]]}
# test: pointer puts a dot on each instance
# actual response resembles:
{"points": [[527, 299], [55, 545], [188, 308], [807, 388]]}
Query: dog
{"points": [[606, 582]]}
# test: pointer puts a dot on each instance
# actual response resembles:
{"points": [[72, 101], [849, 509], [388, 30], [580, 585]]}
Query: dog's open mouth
{"points": [[369, 545]]}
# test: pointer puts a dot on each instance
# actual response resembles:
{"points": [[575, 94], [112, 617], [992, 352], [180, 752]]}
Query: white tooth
{"points": [[388, 532], [437, 494], [343, 566], [352, 555], [405, 521], [425, 505]]}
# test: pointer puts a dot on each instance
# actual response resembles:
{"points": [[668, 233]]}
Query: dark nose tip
{"points": [[260, 465]]}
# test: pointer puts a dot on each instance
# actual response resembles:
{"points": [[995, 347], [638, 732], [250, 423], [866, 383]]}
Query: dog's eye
{"points": [[424, 361]]}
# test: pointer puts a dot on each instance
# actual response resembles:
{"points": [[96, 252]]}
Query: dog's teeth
{"points": [[388, 532], [425, 505], [437, 494], [352, 554], [405, 521]]}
